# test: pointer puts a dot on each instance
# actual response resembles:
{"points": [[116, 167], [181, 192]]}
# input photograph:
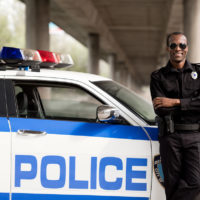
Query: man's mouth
{"points": [[178, 54]]}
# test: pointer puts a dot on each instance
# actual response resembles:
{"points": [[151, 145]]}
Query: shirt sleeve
{"points": [[157, 91], [192, 103]]}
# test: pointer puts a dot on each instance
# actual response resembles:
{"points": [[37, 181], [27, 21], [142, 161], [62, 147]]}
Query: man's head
{"points": [[177, 47]]}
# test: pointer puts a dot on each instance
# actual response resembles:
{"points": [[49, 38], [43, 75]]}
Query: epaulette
{"points": [[156, 71], [197, 66]]}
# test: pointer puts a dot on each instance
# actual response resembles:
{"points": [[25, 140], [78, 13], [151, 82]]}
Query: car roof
{"points": [[85, 77]]}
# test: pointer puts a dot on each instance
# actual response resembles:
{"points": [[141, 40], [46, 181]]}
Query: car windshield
{"points": [[129, 99]]}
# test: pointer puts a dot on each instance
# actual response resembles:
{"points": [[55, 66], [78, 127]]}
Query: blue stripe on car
{"points": [[4, 196], [153, 133], [4, 124], [79, 128], [21, 196]]}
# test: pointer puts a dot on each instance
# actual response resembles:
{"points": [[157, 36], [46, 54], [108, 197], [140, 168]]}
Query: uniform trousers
{"points": [[180, 156]]}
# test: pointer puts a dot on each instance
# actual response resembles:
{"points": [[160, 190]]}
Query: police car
{"points": [[70, 135]]}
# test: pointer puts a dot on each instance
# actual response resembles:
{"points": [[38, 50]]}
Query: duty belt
{"points": [[187, 127]]}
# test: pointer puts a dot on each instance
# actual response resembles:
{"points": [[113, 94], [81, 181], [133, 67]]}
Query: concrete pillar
{"points": [[93, 48], [129, 79], [192, 28], [37, 24], [112, 61], [125, 75], [117, 72], [122, 71]]}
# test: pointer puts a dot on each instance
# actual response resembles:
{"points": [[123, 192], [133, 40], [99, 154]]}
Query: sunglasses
{"points": [[174, 45]]}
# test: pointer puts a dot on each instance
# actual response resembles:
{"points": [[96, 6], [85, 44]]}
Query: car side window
{"points": [[68, 102], [28, 103], [51, 101]]}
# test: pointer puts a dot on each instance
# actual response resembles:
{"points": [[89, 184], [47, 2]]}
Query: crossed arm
{"points": [[159, 102], [164, 105]]}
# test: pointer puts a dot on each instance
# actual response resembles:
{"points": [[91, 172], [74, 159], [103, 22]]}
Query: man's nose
{"points": [[178, 48]]}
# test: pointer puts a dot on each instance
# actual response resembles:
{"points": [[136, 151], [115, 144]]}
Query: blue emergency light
{"points": [[15, 57], [10, 53]]}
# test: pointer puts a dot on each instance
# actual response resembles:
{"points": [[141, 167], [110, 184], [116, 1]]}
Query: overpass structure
{"points": [[130, 34]]}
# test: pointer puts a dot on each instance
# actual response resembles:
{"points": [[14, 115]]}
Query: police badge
{"points": [[194, 75], [158, 169]]}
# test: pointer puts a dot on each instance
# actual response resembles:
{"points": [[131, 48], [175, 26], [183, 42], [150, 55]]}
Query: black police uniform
{"points": [[180, 150]]}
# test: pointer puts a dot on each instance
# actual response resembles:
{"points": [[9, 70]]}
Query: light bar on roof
{"points": [[48, 58], [55, 59], [32, 55], [20, 57], [26, 57], [63, 59]]}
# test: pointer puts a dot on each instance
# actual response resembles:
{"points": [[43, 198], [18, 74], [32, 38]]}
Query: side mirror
{"points": [[109, 114]]}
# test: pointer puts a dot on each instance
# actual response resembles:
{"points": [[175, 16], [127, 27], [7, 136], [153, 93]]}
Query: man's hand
{"points": [[159, 102]]}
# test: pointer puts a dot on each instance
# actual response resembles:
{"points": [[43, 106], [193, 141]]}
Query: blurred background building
{"points": [[121, 39]]}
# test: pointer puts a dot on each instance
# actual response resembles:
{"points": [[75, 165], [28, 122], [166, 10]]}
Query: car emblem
{"points": [[194, 75], [158, 169]]}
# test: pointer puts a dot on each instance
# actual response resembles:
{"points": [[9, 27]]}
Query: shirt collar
{"points": [[170, 68]]}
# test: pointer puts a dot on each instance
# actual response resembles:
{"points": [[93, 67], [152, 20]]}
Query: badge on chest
{"points": [[194, 75]]}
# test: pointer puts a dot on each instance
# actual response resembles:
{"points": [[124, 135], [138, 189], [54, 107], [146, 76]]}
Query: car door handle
{"points": [[30, 132]]}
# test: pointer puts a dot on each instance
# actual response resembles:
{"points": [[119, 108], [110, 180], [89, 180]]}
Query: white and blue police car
{"points": [[73, 136]]}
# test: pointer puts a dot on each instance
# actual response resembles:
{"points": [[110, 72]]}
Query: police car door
{"points": [[61, 152], [5, 146]]}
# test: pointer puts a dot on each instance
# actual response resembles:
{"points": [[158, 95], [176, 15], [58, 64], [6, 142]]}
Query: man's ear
{"points": [[167, 49]]}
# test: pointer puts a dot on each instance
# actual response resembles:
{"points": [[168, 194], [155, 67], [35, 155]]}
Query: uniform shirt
{"points": [[178, 84]]}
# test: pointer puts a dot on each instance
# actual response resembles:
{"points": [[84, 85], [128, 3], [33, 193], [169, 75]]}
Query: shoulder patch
{"points": [[158, 169]]}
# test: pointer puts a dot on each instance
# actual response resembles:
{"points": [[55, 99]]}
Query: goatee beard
{"points": [[178, 61]]}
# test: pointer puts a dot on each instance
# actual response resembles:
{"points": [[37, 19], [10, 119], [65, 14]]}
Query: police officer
{"points": [[175, 91]]}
